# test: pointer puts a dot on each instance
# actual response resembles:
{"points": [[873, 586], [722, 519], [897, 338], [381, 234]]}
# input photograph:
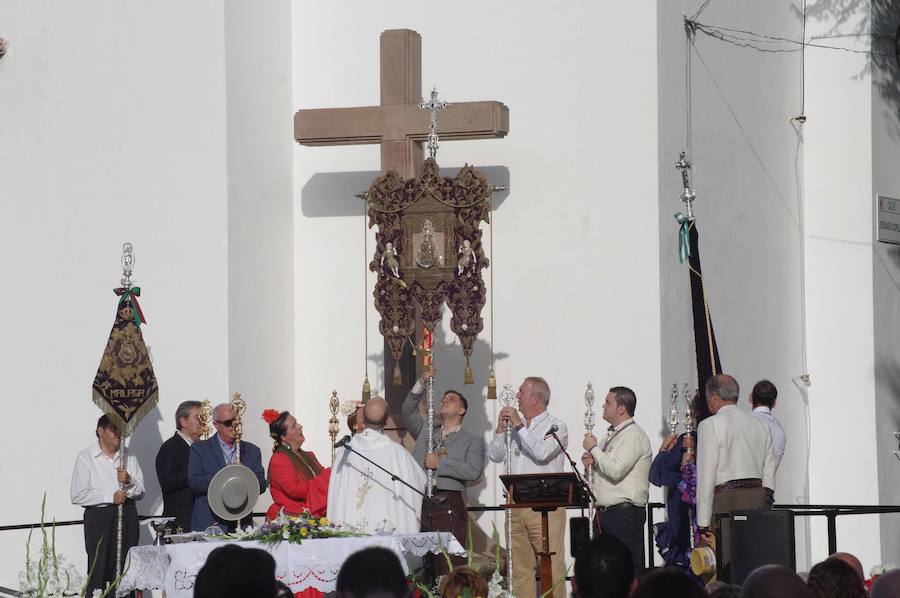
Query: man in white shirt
{"points": [[100, 484], [622, 468], [361, 495], [534, 451], [734, 461], [763, 400]]}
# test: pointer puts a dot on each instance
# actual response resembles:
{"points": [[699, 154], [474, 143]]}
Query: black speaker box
{"points": [[761, 538], [579, 534]]}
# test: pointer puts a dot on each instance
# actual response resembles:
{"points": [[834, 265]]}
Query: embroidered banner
{"points": [[125, 386]]}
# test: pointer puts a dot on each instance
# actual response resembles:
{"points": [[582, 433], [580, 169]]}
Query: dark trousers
{"points": [[626, 521], [447, 513], [100, 532]]}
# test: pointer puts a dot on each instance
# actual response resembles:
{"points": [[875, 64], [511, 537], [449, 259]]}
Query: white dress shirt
{"points": [[731, 445], [185, 437], [622, 470], [94, 480], [532, 452], [779, 440]]}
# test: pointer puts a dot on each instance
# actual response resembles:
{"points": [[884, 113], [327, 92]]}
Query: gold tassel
{"points": [[468, 379], [366, 391], [398, 377], [492, 386]]}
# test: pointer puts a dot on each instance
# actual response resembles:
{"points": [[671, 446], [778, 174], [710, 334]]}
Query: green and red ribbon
{"points": [[130, 294]]}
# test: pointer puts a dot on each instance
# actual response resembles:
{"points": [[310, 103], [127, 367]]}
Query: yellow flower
{"points": [[303, 531], [323, 521]]}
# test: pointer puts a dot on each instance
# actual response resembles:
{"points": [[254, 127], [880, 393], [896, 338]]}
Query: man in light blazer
{"points": [[457, 460], [211, 455]]}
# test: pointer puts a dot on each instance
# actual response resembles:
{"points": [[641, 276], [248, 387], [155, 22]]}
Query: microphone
{"points": [[551, 432], [342, 441]]}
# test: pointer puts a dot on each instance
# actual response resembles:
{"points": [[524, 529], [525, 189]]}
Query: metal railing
{"points": [[830, 512]]}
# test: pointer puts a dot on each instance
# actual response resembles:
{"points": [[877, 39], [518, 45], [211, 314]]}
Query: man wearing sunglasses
{"points": [[211, 455]]}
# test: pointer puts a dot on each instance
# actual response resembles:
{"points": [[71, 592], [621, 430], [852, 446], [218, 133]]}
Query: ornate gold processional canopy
{"points": [[428, 250]]}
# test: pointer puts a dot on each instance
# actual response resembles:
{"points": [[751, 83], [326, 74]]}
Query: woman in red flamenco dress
{"points": [[297, 481]]}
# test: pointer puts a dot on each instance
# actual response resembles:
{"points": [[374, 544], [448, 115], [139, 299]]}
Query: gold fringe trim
{"points": [[127, 428]]}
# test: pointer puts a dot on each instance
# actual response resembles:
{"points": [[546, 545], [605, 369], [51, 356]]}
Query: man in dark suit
{"points": [[172, 466], [211, 455], [457, 461]]}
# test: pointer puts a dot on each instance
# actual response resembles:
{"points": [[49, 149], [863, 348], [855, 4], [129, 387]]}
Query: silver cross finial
{"points": [[433, 106], [687, 194]]}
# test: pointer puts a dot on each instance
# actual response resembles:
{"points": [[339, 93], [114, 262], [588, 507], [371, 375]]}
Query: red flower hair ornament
{"points": [[270, 415]]}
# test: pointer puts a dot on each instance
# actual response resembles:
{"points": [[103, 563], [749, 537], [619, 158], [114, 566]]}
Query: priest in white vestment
{"points": [[363, 496]]}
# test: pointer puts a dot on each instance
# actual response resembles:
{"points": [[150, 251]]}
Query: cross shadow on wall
{"points": [[331, 194], [879, 18]]}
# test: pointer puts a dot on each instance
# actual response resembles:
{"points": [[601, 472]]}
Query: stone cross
{"points": [[398, 124]]}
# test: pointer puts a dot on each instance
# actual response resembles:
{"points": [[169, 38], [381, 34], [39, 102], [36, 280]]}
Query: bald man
{"points": [[773, 581], [852, 561], [363, 496]]}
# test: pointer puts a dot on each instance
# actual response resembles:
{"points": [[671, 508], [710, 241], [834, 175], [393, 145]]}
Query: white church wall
{"points": [[747, 178], [886, 274], [837, 158], [575, 253], [260, 213], [113, 130]]}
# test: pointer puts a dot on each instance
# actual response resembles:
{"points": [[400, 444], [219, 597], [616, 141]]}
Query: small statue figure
{"points": [[467, 257], [389, 259], [426, 257]]}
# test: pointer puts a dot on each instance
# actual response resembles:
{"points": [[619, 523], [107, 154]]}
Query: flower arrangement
{"points": [[495, 584], [877, 571], [50, 575], [294, 529]]}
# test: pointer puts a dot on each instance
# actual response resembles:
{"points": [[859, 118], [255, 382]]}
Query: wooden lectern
{"points": [[543, 492]]}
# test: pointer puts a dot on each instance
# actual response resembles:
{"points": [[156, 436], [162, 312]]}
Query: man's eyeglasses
{"points": [[227, 423]]}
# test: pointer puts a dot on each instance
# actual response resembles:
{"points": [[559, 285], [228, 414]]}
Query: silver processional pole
{"points": [[127, 270], [589, 470], [508, 399]]}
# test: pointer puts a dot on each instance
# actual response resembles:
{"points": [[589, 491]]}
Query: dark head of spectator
{"points": [[372, 573], [833, 578], [603, 569], [234, 572], [887, 585], [852, 561], [764, 394], [720, 589], [670, 581], [461, 579], [773, 581]]}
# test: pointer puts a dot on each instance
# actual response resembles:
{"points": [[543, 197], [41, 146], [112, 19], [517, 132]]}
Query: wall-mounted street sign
{"points": [[888, 222]]}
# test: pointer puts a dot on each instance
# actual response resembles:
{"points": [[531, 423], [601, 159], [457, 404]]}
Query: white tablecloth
{"points": [[312, 564]]}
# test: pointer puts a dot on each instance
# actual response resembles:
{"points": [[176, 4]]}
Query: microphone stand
{"points": [[395, 478], [578, 474]]}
